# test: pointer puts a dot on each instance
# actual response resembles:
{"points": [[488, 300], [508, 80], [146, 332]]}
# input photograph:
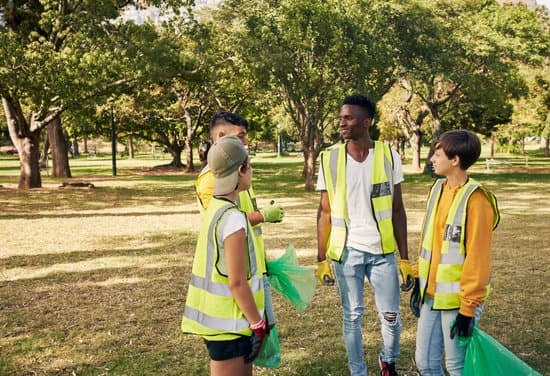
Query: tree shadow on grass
{"points": [[54, 201], [97, 216]]}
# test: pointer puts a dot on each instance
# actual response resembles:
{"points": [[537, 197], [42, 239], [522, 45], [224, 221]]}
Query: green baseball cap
{"points": [[224, 160]]}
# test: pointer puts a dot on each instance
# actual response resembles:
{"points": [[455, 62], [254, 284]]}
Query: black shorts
{"points": [[223, 350]]}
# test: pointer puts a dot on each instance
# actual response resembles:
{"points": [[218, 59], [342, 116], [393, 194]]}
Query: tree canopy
{"points": [[433, 65]]}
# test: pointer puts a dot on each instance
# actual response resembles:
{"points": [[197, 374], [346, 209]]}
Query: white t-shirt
{"points": [[231, 222], [362, 232]]}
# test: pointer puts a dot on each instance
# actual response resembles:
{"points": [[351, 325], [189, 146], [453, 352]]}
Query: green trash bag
{"points": [[294, 282], [270, 353], [486, 356]]}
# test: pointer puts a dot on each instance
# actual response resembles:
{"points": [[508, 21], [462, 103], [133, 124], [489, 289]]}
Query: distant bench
{"points": [[496, 163]]}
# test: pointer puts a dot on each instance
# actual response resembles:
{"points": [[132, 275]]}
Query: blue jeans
{"points": [[269, 312], [381, 271], [432, 336]]}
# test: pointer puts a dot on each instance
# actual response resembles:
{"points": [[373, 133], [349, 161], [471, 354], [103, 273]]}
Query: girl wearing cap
{"points": [[225, 299]]}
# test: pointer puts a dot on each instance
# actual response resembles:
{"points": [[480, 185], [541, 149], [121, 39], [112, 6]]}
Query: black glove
{"points": [[463, 326], [415, 298], [259, 332]]}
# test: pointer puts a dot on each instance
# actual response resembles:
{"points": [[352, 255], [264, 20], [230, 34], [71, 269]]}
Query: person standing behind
{"points": [[203, 152], [225, 299], [455, 255], [361, 221], [225, 123], [229, 123]]}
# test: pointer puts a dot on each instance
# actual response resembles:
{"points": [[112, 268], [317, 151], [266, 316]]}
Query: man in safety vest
{"points": [[455, 255], [225, 123], [361, 222]]}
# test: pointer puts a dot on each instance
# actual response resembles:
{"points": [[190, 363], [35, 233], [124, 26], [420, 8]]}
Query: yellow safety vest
{"points": [[247, 203], [204, 188], [210, 309], [453, 250], [333, 163]]}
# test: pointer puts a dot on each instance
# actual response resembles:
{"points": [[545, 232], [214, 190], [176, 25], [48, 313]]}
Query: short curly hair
{"points": [[226, 117], [362, 101]]}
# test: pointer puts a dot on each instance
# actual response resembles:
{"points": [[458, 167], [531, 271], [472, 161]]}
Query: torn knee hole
{"points": [[390, 317]]}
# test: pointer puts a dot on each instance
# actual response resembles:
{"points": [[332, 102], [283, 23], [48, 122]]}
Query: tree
{"points": [[174, 112], [401, 121], [308, 55], [456, 59], [56, 56], [530, 114], [526, 41]]}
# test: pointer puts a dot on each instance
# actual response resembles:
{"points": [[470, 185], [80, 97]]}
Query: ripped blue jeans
{"points": [[381, 272]]}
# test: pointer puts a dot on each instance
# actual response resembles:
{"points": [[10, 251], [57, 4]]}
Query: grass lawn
{"points": [[93, 280]]}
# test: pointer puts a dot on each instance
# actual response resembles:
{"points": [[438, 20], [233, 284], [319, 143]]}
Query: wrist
{"points": [[262, 216], [258, 325], [467, 311]]}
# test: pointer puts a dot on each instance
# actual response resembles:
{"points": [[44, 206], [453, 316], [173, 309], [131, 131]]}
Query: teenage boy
{"points": [[455, 255]]}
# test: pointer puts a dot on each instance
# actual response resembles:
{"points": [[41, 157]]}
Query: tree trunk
{"points": [[492, 146], [175, 151], [190, 167], [59, 148], [29, 157], [45, 152], [309, 168], [311, 140], [191, 127], [545, 140], [412, 128], [428, 167], [402, 146], [76, 150], [26, 142], [416, 143], [522, 146], [130, 146]]}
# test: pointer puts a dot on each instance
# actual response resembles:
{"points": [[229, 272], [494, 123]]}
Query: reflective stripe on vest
{"points": [[211, 311], [453, 253], [382, 196], [333, 163]]}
